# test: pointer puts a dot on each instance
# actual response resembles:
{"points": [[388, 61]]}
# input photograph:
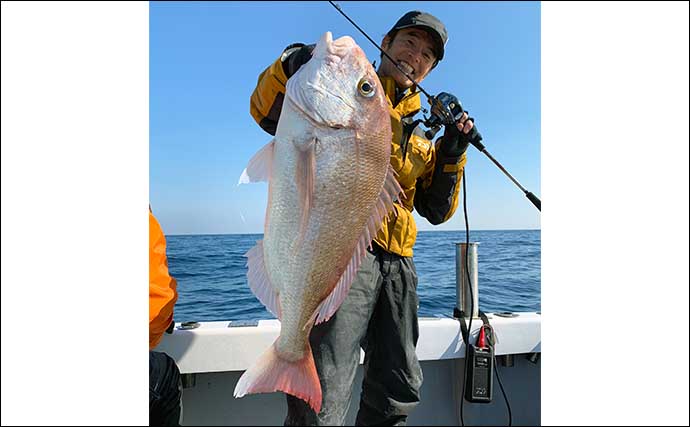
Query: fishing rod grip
{"points": [[477, 142], [534, 199]]}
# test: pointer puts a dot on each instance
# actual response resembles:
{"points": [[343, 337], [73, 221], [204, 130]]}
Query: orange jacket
{"points": [[162, 287]]}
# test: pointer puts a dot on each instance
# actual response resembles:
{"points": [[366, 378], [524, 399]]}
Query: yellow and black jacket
{"points": [[429, 178]]}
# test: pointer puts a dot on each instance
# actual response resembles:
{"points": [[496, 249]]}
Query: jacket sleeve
{"points": [[436, 198], [266, 101], [162, 287]]}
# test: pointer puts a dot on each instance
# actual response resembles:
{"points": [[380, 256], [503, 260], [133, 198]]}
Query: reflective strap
{"points": [[452, 167]]}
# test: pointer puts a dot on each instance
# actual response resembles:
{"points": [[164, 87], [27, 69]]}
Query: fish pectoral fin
{"points": [[305, 178], [335, 299], [390, 191], [260, 166], [259, 283], [310, 322]]}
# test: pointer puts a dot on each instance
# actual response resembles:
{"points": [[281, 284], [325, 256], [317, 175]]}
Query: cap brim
{"points": [[434, 35]]}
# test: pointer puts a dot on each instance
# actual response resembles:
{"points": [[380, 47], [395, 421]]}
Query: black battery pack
{"points": [[478, 388]]}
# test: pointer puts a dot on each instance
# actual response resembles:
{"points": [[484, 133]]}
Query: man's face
{"points": [[412, 49]]}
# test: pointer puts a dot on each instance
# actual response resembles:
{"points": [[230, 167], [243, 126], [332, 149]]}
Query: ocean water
{"points": [[212, 276]]}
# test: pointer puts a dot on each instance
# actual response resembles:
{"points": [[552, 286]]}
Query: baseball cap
{"points": [[425, 20]]}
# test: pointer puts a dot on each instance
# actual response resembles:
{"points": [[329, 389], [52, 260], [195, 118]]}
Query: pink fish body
{"points": [[330, 187]]}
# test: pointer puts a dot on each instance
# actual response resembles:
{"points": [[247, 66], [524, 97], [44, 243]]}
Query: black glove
{"points": [[454, 142], [300, 55]]}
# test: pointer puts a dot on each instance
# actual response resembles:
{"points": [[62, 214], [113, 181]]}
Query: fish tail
{"points": [[272, 373]]}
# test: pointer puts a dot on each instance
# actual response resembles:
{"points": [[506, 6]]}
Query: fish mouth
{"points": [[318, 121], [313, 115], [339, 48], [311, 92], [328, 93]]}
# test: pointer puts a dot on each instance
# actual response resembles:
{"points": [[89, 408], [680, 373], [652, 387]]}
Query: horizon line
{"points": [[419, 231]]}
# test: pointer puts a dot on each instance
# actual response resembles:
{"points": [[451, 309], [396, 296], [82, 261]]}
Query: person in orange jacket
{"points": [[165, 384], [162, 287]]}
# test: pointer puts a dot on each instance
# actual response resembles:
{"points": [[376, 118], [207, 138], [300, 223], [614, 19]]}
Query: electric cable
{"points": [[469, 327]]}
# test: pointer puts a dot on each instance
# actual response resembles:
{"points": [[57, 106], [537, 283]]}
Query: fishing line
{"points": [[469, 327], [510, 413], [469, 283]]}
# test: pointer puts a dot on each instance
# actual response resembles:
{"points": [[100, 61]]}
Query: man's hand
{"points": [[456, 138], [296, 58]]}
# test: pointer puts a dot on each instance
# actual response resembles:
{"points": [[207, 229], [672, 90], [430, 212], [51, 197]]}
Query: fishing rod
{"points": [[445, 110]]}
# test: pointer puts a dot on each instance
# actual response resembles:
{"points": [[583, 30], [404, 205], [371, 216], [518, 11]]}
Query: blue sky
{"points": [[205, 59]]}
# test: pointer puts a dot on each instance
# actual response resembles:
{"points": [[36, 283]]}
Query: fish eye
{"points": [[365, 88]]}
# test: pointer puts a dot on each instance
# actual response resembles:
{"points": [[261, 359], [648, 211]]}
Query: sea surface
{"points": [[212, 276]]}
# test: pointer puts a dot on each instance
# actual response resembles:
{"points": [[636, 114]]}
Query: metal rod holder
{"points": [[462, 289]]}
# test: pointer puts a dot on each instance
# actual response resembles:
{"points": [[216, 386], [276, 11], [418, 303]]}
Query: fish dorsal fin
{"points": [[258, 279], [260, 166], [390, 192]]}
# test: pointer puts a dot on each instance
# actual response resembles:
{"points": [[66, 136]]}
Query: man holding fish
{"points": [[346, 168]]}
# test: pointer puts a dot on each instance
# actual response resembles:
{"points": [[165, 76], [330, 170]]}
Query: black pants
{"points": [[380, 314], [165, 390]]}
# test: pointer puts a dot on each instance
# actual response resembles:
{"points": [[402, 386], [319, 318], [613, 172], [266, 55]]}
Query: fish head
{"points": [[338, 88]]}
